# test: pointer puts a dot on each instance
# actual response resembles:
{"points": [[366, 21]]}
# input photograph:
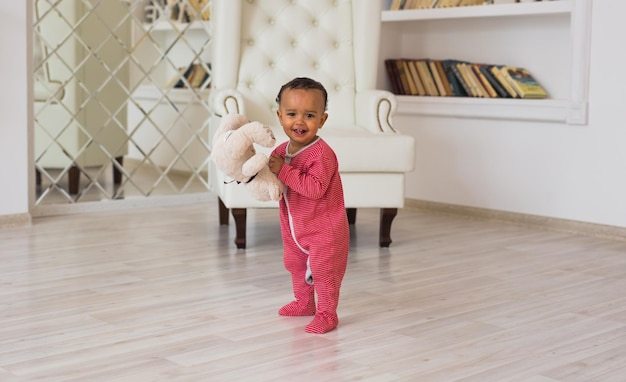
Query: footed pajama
{"points": [[315, 231]]}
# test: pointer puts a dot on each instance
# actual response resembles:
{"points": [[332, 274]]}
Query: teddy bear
{"points": [[234, 154]]}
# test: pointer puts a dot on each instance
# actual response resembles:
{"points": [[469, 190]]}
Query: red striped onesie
{"points": [[315, 232]]}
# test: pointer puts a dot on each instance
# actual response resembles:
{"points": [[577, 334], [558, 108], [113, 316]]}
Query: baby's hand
{"points": [[275, 163]]}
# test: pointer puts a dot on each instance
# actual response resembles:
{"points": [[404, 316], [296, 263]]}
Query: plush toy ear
{"points": [[230, 122], [236, 120]]}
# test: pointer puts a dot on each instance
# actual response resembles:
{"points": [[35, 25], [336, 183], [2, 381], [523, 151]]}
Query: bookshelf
{"points": [[166, 118], [164, 46], [549, 38]]}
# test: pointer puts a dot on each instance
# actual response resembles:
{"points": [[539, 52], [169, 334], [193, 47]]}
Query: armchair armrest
{"points": [[226, 101], [374, 110]]}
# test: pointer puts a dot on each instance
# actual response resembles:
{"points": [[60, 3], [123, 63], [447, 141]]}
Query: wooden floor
{"points": [[161, 294]]}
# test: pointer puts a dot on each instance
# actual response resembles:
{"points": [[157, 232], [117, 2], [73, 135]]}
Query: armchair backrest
{"points": [[48, 87], [258, 45]]}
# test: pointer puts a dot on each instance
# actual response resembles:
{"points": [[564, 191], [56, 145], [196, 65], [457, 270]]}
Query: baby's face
{"points": [[301, 114]]}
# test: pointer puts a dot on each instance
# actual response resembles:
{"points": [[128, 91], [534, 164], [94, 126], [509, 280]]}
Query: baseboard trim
{"points": [[119, 204], [535, 221], [134, 162], [17, 220]]}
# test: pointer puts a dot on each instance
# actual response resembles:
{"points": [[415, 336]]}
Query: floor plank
{"points": [[162, 294]]}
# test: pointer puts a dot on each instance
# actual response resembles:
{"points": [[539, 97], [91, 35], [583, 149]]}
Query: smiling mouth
{"points": [[299, 131]]}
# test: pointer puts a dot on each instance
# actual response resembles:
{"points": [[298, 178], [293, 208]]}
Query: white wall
{"points": [[561, 171], [554, 170], [14, 148]]}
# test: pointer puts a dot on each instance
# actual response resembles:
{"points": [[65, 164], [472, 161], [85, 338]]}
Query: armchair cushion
{"points": [[359, 150]]}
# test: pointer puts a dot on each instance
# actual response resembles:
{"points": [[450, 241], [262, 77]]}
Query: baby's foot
{"points": [[322, 324], [296, 308]]}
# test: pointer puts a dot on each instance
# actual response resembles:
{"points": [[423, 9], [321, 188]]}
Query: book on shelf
{"points": [[444, 78], [448, 3], [403, 80], [484, 92], [195, 76], [432, 3], [398, 5], [464, 3], [182, 81], [495, 84], [424, 4], [457, 88], [178, 11], [436, 77], [484, 81], [417, 4], [198, 76], [411, 4], [408, 81], [457, 78], [427, 78], [495, 70], [524, 84], [174, 81], [394, 77], [406, 71], [201, 9], [182, 11], [421, 90], [470, 86], [461, 79]]}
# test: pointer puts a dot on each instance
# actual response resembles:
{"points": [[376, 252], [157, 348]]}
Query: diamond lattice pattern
{"points": [[120, 98]]}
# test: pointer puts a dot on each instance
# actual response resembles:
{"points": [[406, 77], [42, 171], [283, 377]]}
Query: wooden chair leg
{"points": [[239, 214], [223, 212], [351, 212], [117, 174], [386, 218], [73, 179]]}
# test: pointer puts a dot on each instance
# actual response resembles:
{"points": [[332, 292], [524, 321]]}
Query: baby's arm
{"points": [[313, 183], [275, 163]]}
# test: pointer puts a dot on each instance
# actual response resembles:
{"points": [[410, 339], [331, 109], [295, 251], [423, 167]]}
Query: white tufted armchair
{"points": [[258, 45]]}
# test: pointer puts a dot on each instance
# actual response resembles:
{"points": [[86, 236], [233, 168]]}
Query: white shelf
{"points": [[496, 10], [570, 109], [164, 25], [546, 110], [179, 96]]}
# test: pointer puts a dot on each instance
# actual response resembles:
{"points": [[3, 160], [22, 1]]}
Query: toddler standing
{"points": [[314, 225]]}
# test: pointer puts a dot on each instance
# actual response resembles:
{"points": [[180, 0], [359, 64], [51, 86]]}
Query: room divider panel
{"points": [[117, 113]]}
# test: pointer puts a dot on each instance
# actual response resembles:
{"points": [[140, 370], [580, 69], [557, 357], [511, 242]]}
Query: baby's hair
{"points": [[304, 83]]}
